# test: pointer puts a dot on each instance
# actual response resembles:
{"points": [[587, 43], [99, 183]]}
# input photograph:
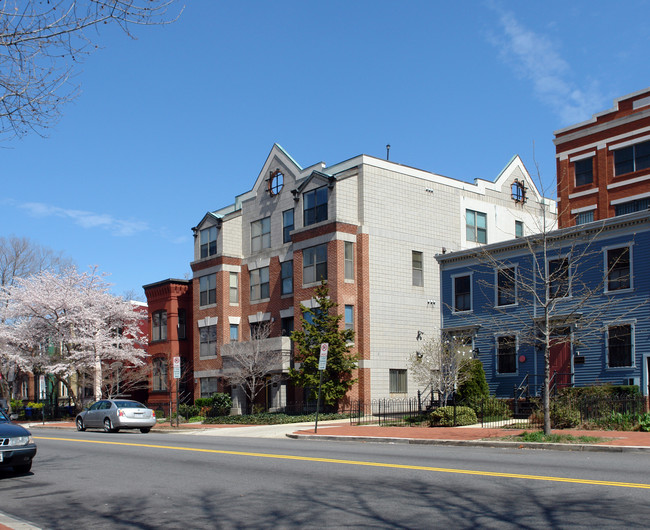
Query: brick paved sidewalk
{"points": [[612, 438]]}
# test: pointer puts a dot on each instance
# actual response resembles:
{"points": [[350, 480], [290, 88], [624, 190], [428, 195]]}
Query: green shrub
{"points": [[203, 402], [187, 411], [474, 388], [272, 418], [563, 415], [221, 404], [644, 422], [494, 409], [444, 417]]}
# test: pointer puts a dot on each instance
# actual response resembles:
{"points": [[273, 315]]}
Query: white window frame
{"points": [[205, 394], [523, 231], [349, 324], [206, 285], [308, 277], [236, 328], [569, 274], [496, 285], [234, 288], [475, 226], [400, 372], [258, 279], [203, 331], [285, 277], [207, 236], [317, 208], [632, 324], [348, 261], [497, 336], [261, 234], [606, 270], [288, 228], [471, 292]]}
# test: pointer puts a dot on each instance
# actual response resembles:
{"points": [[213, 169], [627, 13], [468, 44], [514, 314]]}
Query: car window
{"points": [[3, 417], [107, 405], [96, 406], [129, 405]]}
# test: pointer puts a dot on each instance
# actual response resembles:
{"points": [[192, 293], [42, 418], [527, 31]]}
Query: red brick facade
{"points": [[626, 125], [341, 291], [173, 297]]}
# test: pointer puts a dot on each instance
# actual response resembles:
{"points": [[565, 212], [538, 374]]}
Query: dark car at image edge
{"points": [[17, 447]]}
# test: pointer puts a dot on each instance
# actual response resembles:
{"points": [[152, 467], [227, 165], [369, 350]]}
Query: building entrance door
{"points": [[560, 358]]}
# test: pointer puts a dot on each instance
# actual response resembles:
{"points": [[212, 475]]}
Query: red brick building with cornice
{"points": [[603, 164]]}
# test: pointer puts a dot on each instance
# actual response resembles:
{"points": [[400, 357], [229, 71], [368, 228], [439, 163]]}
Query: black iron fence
{"points": [[387, 412], [603, 411]]}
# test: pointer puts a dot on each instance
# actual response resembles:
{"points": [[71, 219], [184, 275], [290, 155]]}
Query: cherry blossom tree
{"points": [[20, 258], [69, 325]]}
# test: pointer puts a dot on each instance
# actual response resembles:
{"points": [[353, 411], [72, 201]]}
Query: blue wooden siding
{"points": [[589, 335]]}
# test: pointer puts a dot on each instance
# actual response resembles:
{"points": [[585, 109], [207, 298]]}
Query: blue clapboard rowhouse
{"points": [[589, 285]]}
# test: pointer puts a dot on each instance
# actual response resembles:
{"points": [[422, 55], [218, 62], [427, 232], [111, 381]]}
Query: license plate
{"points": [[2, 455]]}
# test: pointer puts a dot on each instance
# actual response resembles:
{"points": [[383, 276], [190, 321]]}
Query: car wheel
{"points": [[23, 468], [108, 426], [80, 425], [145, 430]]}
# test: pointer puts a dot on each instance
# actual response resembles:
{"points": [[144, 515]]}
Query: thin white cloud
{"points": [[93, 220], [118, 227], [535, 57]]}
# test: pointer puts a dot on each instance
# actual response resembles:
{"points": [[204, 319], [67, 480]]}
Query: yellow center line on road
{"points": [[371, 464]]}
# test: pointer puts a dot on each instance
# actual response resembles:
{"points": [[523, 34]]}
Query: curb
{"points": [[476, 443]]}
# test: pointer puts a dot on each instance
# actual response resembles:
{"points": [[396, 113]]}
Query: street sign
{"points": [[177, 367], [322, 361]]}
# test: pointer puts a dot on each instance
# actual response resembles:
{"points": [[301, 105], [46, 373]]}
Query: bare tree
{"points": [[439, 364], [122, 378], [41, 42], [556, 279], [21, 258], [253, 364]]}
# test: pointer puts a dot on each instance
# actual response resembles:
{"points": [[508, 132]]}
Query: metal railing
{"points": [[387, 412]]}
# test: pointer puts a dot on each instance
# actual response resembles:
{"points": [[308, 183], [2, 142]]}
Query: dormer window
{"points": [[276, 182], [315, 206], [208, 242], [518, 191]]}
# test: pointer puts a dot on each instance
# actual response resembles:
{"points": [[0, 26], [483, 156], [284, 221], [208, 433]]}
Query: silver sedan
{"points": [[115, 414]]}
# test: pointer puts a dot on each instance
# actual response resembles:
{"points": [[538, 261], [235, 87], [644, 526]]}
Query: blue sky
{"points": [[179, 121]]}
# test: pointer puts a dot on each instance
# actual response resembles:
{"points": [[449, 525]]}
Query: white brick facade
{"points": [[389, 211]]}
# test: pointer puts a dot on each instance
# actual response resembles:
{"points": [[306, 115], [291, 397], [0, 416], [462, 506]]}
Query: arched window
{"points": [[159, 374]]}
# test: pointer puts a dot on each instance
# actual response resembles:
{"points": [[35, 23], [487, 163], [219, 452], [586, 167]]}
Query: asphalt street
{"points": [[171, 480]]}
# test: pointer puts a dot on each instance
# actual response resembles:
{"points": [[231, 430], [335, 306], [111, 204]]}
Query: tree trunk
{"points": [[546, 402]]}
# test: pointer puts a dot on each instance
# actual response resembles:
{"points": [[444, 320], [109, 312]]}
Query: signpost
{"points": [[322, 364], [177, 376]]}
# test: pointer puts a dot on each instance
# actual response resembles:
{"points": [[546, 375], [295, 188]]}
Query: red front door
{"points": [[560, 361]]}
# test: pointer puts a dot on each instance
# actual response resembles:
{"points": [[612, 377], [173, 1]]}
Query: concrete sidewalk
{"points": [[342, 431]]}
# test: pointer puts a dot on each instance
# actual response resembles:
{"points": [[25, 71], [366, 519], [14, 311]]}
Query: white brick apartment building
{"points": [[372, 227]]}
